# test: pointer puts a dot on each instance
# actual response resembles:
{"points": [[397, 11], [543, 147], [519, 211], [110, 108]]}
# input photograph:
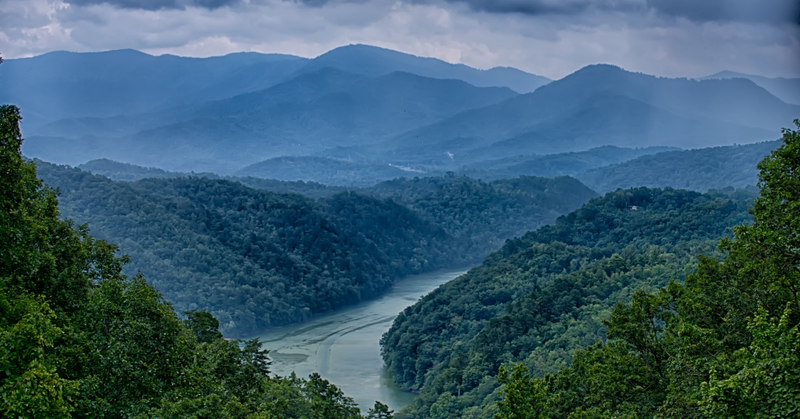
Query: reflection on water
{"points": [[343, 346]]}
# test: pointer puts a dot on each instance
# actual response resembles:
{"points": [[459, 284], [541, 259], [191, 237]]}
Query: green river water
{"points": [[343, 346]]}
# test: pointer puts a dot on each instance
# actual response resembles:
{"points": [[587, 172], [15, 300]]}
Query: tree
{"points": [[379, 411]]}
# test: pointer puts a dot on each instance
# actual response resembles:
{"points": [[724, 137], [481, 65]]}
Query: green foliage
{"points": [[483, 215], [545, 295], [80, 339], [379, 411], [724, 344], [251, 258], [256, 259], [521, 397]]}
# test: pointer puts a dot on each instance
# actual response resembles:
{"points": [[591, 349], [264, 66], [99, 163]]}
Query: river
{"points": [[343, 346]]}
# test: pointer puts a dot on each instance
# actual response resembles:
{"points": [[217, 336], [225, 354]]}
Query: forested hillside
{"points": [[700, 170], [79, 339], [726, 343], [254, 258], [482, 215], [130, 172], [544, 295]]}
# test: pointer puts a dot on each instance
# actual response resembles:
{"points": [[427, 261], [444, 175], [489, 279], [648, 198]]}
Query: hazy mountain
{"points": [[560, 164], [787, 90], [68, 84], [604, 105], [62, 84], [308, 113], [323, 170], [700, 170], [375, 61]]}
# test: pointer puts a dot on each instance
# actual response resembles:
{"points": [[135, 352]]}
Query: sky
{"points": [[672, 38]]}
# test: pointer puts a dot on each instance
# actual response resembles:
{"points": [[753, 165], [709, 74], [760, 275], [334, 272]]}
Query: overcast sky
{"points": [[553, 38]]}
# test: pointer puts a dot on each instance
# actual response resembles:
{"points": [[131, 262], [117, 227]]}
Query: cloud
{"points": [[552, 38], [698, 10], [552, 7], [770, 11], [158, 4]]}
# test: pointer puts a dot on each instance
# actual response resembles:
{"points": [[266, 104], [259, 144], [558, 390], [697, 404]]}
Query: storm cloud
{"points": [[158, 4], [548, 37]]}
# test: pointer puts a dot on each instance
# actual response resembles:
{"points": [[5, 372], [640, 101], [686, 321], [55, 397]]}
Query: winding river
{"points": [[343, 346]]}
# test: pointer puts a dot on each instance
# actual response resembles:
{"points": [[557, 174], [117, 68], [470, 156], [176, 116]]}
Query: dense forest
{"points": [[253, 258], [544, 295], [724, 343], [256, 259], [482, 215], [130, 173], [80, 339]]}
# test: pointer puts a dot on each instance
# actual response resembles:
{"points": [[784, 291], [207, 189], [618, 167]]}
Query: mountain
{"points": [[483, 215], [253, 258], [130, 173], [560, 164], [80, 339], [62, 84], [257, 259], [787, 90], [699, 170], [544, 295], [375, 61], [323, 170], [601, 105], [303, 115]]}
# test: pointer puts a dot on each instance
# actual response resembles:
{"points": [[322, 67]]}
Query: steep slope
{"points": [[66, 85], [375, 61], [787, 90], [541, 297], [605, 105], [699, 170], [253, 258], [483, 215], [80, 339]]}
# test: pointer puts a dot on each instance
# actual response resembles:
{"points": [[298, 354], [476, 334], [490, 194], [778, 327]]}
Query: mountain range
{"points": [[368, 111]]}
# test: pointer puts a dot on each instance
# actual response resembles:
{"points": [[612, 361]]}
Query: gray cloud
{"points": [[696, 10], [158, 4], [776, 11], [551, 7], [552, 39]]}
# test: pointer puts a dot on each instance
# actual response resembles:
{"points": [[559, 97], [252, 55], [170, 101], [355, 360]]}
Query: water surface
{"points": [[343, 346]]}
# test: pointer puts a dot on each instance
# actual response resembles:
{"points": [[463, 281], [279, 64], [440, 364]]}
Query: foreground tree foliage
{"points": [[726, 343], [80, 339]]}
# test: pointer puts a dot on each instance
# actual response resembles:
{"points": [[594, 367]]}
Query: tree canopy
{"points": [[78, 338]]}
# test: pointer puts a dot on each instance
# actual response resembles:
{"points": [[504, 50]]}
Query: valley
{"points": [[343, 346], [268, 235]]}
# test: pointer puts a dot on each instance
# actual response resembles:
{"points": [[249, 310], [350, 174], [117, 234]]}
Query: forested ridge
{"points": [[80, 339], [627, 307], [253, 258], [699, 170], [256, 259], [482, 215], [724, 343], [544, 295]]}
